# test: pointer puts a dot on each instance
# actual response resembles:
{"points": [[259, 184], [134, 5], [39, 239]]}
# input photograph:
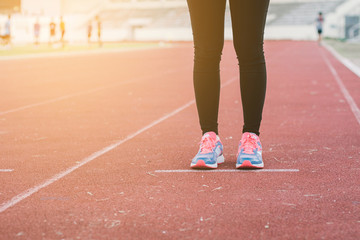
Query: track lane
{"points": [[41, 141], [120, 194], [58, 77]]}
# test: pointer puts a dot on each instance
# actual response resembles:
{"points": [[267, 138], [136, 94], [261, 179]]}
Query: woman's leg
{"points": [[248, 22], [207, 21]]}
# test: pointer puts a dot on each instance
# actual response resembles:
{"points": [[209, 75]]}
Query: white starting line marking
{"points": [[27, 193], [226, 170], [6, 170]]}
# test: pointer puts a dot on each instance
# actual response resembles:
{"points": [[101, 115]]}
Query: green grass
{"points": [[17, 50], [346, 49]]}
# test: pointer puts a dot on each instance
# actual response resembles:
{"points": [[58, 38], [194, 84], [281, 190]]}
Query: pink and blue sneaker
{"points": [[210, 153], [249, 153]]}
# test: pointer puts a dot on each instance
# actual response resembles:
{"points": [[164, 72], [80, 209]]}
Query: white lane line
{"points": [[345, 92], [77, 53], [18, 198], [85, 92], [350, 65], [226, 170], [6, 170], [50, 101]]}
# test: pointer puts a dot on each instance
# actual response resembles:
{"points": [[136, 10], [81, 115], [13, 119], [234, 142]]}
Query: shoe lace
{"points": [[207, 144], [249, 144]]}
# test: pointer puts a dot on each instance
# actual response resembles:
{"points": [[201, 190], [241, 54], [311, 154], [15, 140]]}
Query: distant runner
{"points": [[99, 30], [62, 30], [7, 34], [37, 31], [319, 26], [52, 31], [89, 31]]}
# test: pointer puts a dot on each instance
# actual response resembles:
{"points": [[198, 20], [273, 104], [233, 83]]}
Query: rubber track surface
{"points": [[56, 112]]}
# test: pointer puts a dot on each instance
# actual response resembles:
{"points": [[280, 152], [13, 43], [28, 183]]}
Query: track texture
{"points": [[55, 112]]}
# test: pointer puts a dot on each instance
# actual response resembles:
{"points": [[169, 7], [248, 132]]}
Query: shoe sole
{"points": [[248, 164], [200, 164]]}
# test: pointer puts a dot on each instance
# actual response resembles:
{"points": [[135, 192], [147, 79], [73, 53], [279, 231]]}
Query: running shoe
{"points": [[210, 153], [249, 153]]}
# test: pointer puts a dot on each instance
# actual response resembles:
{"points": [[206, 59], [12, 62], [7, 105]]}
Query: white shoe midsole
{"points": [[220, 159]]}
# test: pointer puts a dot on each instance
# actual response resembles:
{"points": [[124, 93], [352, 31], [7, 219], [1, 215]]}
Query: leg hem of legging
{"points": [[256, 132], [209, 130]]}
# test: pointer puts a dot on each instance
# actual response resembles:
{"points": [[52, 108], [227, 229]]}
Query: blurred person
{"points": [[37, 31], [52, 31], [89, 31], [7, 34], [319, 26], [62, 30], [248, 22], [99, 30]]}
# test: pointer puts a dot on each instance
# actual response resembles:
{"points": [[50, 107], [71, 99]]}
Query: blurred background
{"points": [[167, 20]]}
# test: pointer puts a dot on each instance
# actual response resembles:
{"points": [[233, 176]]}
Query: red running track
{"points": [[84, 138]]}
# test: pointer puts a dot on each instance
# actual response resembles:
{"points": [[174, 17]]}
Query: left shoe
{"points": [[250, 152], [210, 153]]}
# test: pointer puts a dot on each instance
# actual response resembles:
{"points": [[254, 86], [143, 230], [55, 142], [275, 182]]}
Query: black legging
{"points": [[248, 21]]}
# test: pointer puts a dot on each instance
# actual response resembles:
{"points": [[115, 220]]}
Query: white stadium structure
{"points": [[168, 20]]}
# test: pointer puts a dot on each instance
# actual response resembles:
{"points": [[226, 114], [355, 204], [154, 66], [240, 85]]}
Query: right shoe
{"points": [[210, 153], [250, 152]]}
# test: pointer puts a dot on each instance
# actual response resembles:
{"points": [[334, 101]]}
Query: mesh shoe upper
{"points": [[210, 149], [250, 149]]}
